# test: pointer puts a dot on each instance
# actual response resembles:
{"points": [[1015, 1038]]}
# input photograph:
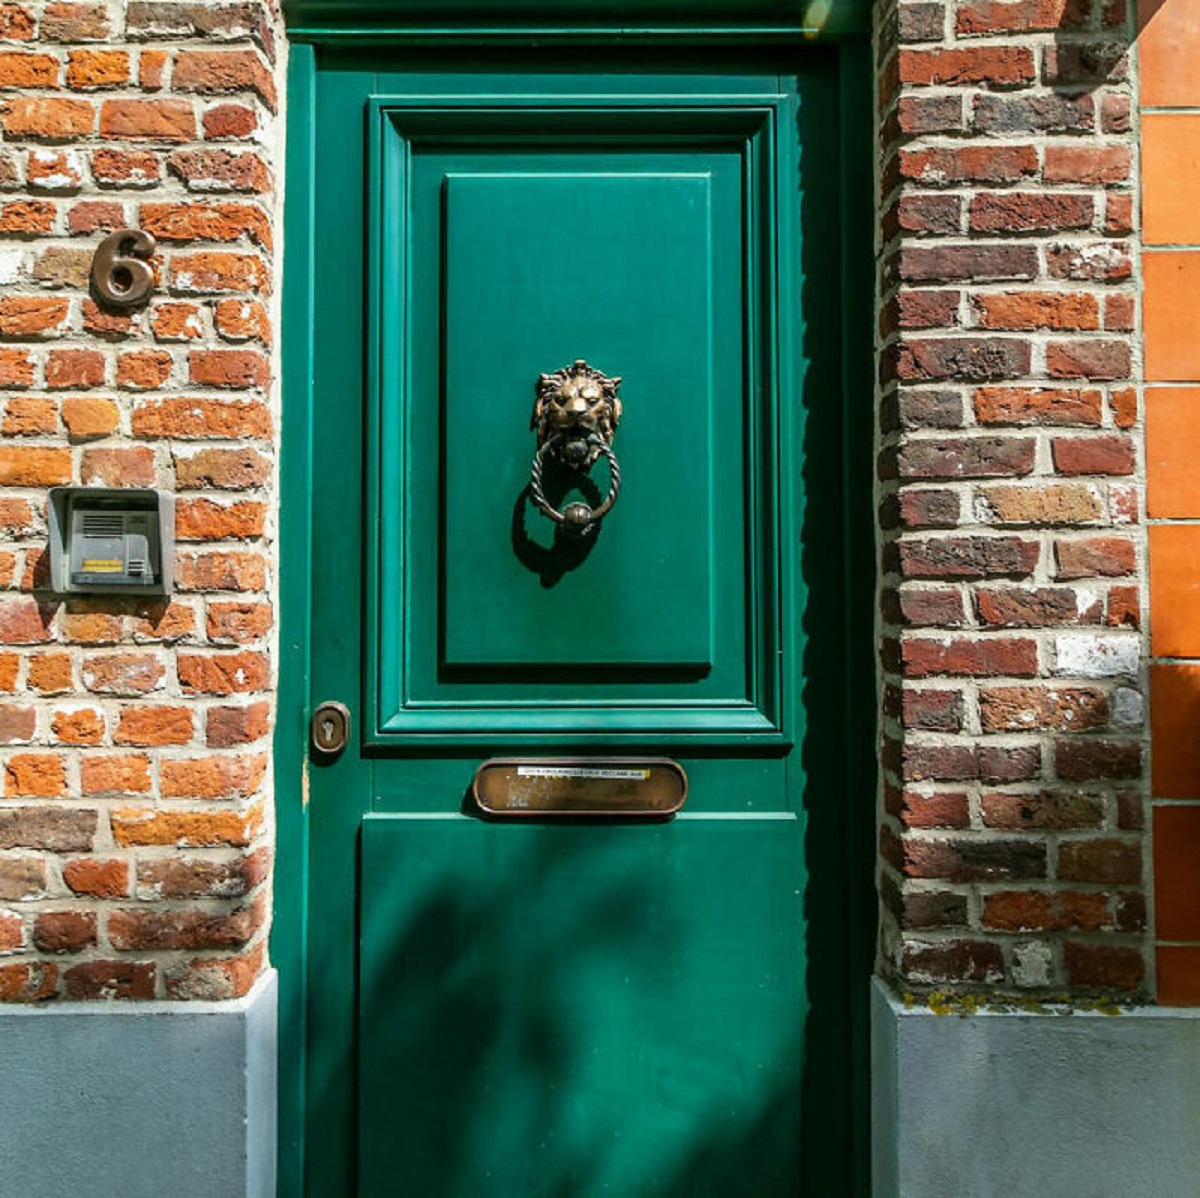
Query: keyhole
{"points": [[327, 727]]}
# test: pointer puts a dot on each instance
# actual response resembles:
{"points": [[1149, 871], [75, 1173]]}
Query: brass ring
{"points": [[576, 519]]}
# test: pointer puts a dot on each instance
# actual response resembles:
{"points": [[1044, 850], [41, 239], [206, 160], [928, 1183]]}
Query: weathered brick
{"points": [[964, 359], [970, 657], [1033, 709], [1105, 967], [110, 980], [55, 829], [1036, 607], [167, 725], [165, 120], [213, 777], [1038, 405], [201, 877], [97, 877], [146, 826], [1020, 310], [966, 457], [968, 557], [126, 774], [207, 418], [994, 66], [65, 931]]}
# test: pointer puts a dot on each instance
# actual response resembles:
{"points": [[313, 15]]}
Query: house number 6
{"points": [[121, 274]]}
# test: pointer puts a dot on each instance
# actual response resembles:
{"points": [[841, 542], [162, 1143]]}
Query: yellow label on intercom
{"points": [[103, 565]]}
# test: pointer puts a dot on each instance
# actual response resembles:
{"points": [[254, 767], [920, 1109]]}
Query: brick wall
{"points": [[1011, 829], [135, 821]]}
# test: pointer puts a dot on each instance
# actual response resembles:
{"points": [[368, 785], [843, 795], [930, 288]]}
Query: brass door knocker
{"points": [[575, 415]]}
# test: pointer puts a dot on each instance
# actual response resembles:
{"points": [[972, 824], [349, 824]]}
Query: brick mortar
{"points": [[957, 848], [198, 888]]}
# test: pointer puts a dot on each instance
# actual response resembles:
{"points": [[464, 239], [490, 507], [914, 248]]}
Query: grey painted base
{"points": [[140, 1100], [1079, 1105]]}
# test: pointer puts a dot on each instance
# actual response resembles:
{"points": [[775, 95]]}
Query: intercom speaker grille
{"points": [[103, 524]]}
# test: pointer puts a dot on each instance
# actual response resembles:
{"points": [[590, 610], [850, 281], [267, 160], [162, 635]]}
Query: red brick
{"points": [[229, 121], [1088, 359], [23, 621], [228, 726], [216, 979], [1095, 557], [1038, 406], [223, 673], [208, 418], [34, 466], [243, 320], [125, 674], [22, 878], [96, 216], [194, 221], [1105, 967], [223, 469], [16, 368], [217, 571], [240, 369], [1087, 760], [1021, 16], [1090, 261], [97, 877], [238, 623], [148, 120], [74, 368], [201, 877], [968, 557], [143, 370], [30, 316], [205, 520], [1087, 163], [1033, 709], [44, 119], [1035, 607], [132, 466], [1042, 811], [215, 271], [1107, 860], [110, 980], [154, 726], [54, 170], [31, 981], [953, 166], [177, 322], [213, 777], [1017, 310], [50, 673], [217, 72], [125, 168], [988, 65], [965, 657], [1094, 455], [65, 931], [17, 724]]}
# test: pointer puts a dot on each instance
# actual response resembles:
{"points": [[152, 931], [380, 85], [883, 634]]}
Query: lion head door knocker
{"points": [[575, 416]]}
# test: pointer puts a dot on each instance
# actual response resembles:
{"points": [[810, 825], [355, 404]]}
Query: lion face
{"points": [[579, 402]]}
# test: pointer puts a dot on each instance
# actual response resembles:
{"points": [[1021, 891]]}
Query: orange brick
{"points": [[86, 418], [204, 520], [28, 316], [50, 673], [208, 418], [97, 878], [197, 221], [127, 774], [27, 416], [35, 774], [27, 117], [146, 826], [34, 466], [78, 726], [143, 370], [148, 120], [147, 726], [89, 69], [213, 777]]}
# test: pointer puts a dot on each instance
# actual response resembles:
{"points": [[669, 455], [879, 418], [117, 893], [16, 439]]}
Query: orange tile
{"points": [[1175, 732], [1172, 318], [1175, 590], [1172, 451], [1168, 42], [1171, 178], [1176, 878], [1178, 975]]}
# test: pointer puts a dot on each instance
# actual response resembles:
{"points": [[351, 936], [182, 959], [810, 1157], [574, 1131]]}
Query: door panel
{"points": [[606, 1007], [589, 1012], [512, 236]]}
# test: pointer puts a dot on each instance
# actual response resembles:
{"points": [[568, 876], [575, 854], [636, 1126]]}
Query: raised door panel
{"points": [[512, 237]]}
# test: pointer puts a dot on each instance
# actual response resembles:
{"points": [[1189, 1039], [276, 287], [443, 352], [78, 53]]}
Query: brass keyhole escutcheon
{"points": [[330, 728]]}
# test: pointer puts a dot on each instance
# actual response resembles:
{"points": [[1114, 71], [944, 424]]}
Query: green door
{"points": [[556, 1006]]}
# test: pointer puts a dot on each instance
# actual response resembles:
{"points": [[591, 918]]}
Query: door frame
{"points": [[838, 525]]}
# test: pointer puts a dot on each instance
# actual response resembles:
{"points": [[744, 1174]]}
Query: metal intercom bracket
{"points": [[111, 541]]}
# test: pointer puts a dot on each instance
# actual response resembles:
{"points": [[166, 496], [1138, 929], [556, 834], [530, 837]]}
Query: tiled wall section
{"points": [[1168, 49]]}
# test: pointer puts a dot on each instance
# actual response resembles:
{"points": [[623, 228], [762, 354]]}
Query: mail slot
{"points": [[580, 786]]}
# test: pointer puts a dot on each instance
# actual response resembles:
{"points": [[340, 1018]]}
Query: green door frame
{"points": [[839, 524]]}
